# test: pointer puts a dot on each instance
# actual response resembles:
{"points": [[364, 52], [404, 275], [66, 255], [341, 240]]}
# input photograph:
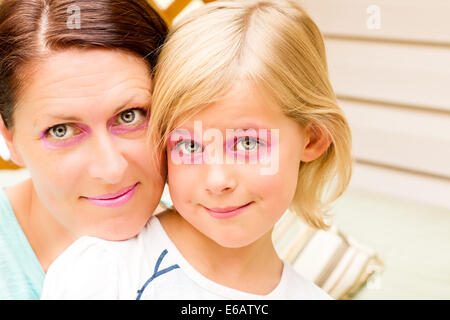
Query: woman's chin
{"points": [[117, 232]]}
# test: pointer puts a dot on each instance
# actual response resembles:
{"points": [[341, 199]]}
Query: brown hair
{"points": [[31, 29]]}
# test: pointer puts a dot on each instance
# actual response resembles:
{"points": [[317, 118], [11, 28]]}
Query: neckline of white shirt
{"points": [[213, 287]]}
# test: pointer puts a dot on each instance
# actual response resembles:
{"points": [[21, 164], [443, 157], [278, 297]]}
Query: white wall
{"points": [[4, 153]]}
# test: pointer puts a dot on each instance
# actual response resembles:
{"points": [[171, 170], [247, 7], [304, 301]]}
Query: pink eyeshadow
{"points": [[54, 145], [125, 129]]}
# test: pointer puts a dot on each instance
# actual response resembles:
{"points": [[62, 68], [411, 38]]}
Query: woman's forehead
{"points": [[72, 71], [69, 82]]}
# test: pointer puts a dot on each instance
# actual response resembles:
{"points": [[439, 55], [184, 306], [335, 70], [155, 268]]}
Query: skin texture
{"points": [[101, 151], [238, 251]]}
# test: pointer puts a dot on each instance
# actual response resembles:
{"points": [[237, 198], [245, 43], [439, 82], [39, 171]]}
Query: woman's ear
{"points": [[8, 137], [317, 142]]}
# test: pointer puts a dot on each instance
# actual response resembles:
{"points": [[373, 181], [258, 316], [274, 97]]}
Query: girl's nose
{"points": [[219, 179]]}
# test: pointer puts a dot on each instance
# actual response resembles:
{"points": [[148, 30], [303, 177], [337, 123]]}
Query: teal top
{"points": [[21, 274]]}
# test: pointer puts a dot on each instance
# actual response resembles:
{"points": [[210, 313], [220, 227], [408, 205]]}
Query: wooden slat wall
{"points": [[401, 20], [414, 140], [393, 83], [412, 75]]}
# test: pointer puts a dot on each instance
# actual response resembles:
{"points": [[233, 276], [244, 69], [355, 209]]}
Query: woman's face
{"points": [[80, 129]]}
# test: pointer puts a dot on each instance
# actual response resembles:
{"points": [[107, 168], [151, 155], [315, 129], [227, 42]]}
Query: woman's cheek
{"points": [[65, 170], [138, 152]]}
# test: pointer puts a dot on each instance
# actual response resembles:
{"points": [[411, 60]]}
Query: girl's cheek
{"points": [[178, 158], [182, 182]]}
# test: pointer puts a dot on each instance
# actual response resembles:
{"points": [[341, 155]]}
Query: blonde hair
{"points": [[276, 45]]}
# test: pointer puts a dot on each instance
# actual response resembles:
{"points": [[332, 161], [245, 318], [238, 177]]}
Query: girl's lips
{"points": [[228, 212], [114, 199]]}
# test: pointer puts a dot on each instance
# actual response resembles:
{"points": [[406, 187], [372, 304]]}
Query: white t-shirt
{"points": [[149, 266]]}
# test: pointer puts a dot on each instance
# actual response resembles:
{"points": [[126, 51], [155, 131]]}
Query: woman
{"points": [[75, 88]]}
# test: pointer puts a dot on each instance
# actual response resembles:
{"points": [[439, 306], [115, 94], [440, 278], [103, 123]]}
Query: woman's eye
{"points": [[62, 131], [59, 131], [128, 116], [132, 117], [188, 147], [246, 144]]}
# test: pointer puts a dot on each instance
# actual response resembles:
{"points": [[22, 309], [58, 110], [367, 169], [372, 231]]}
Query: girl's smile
{"points": [[227, 212]]}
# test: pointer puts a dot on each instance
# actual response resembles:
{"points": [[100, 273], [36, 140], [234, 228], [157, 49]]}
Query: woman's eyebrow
{"points": [[139, 99], [56, 116]]}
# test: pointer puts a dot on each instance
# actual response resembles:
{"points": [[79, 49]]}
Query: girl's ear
{"points": [[8, 137], [317, 142]]}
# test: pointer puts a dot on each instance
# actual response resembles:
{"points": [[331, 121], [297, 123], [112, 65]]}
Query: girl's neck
{"points": [[47, 237], [255, 268]]}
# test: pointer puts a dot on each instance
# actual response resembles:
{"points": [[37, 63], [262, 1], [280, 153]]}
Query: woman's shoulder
{"points": [[16, 198], [21, 275], [13, 207]]}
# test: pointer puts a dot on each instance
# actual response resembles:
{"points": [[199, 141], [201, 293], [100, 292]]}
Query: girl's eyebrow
{"points": [[244, 126], [253, 127]]}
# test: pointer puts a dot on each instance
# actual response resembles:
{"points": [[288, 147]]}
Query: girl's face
{"points": [[79, 128], [238, 202]]}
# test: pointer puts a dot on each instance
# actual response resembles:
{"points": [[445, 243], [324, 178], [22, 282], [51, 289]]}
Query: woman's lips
{"points": [[228, 212], [114, 199]]}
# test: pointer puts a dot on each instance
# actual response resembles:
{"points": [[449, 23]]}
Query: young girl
{"points": [[244, 111]]}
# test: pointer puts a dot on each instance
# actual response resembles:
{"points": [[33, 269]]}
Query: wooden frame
{"points": [[7, 165], [173, 10]]}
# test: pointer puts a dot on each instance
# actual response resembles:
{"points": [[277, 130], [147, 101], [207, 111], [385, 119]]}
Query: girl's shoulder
{"points": [[94, 268], [297, 287]]}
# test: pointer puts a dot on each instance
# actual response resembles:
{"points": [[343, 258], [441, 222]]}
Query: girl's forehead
{"points": [[242, 107]]}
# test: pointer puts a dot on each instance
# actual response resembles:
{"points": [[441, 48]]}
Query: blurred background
{"points": [[389, 63]]}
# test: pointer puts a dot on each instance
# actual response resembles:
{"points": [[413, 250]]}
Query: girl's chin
{"points": [[232, 242]]}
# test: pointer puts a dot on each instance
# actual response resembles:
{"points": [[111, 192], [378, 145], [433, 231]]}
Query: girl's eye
{"points": [[132, 117], [246, 144], [188, 147]]}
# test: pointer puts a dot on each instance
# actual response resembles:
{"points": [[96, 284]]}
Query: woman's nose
{"points": [[107, 163], [219, 179]]}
